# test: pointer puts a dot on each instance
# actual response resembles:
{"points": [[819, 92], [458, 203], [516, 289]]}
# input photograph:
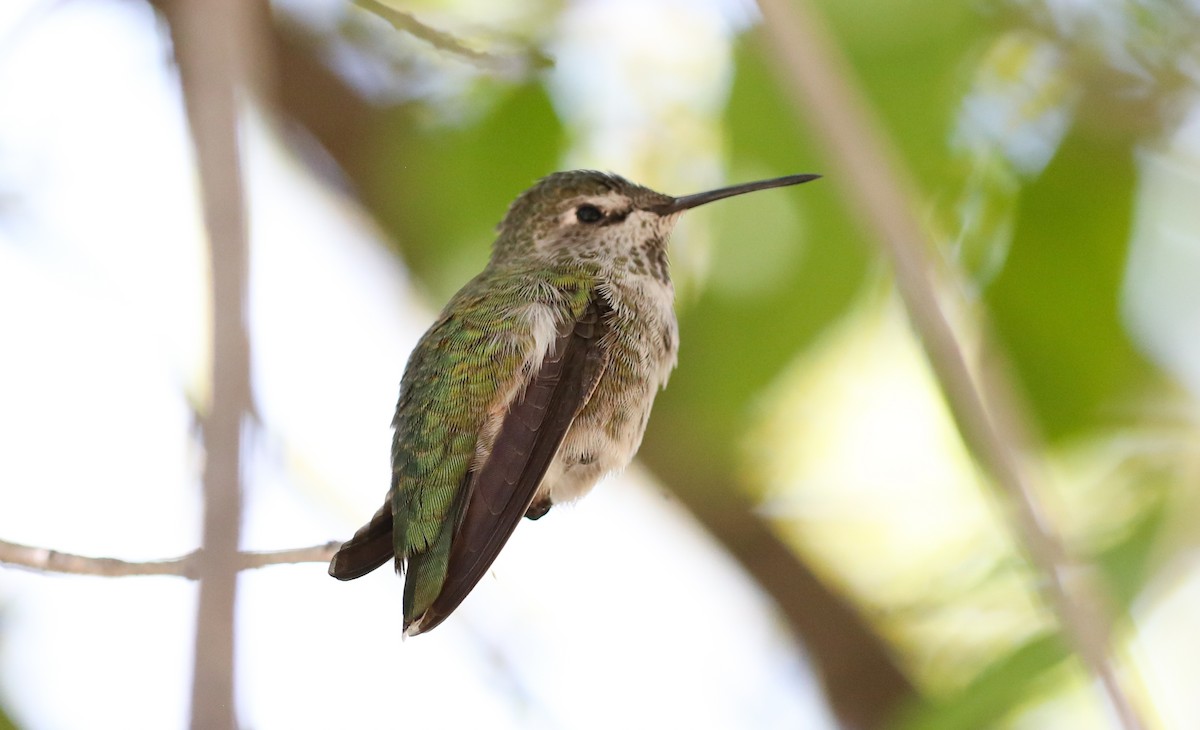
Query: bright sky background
{"points": [[620, 612]]}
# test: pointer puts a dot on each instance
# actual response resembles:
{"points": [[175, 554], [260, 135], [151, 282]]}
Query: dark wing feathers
{"points": [[505, 485]]}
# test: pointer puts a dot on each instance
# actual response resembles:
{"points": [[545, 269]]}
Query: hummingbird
{"points": [[535, 381]]}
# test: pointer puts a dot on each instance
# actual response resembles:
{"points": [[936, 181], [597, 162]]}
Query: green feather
{"points": [[473, 355]]}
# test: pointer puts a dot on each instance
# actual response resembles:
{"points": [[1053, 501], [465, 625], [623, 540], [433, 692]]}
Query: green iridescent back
{"points": [[465, 366]]}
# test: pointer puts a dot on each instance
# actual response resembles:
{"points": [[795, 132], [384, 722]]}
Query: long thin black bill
{"points": [[691, 201]]}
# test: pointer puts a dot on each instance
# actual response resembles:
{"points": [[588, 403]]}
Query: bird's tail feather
{"points": [[370, 547]]}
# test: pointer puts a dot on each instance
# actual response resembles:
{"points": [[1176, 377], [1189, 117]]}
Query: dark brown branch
{"points": [[984, 405], [44, 560], [861, 680]]}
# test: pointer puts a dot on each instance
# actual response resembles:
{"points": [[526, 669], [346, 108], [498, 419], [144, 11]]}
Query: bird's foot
{"points": [[538, 509]]}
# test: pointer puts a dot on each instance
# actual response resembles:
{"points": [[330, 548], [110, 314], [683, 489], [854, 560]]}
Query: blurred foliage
{"points": [[1034, 668], [734, 345], [1007, 682], [911, 59], [441, 188], [1019, 122], [1055, 304]]}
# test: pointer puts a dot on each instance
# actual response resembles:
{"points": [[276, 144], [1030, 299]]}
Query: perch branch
{"points": [[44, 560]]}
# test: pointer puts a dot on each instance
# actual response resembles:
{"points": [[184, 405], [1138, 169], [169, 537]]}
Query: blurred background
{"points": [[805, 540]]}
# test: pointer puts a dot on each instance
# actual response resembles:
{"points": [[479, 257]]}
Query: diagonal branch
{"points": [[983, 405], [447, 43], [44, 560]]}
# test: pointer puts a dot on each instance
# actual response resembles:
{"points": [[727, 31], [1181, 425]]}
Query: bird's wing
{"points": [[501, 490], [465, 366]]}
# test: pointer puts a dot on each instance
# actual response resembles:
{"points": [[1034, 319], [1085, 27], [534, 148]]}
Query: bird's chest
{"points": [[641, 341]]}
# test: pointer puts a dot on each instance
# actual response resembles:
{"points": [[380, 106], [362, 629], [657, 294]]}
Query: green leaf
{"points": [[1127, 563], [1000, 688], [1055, 305], [440, 190], [908, 58]]}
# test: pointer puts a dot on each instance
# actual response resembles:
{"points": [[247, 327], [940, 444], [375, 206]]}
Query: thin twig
{"points": [[44, 560], [983, 407], [515, 64]]}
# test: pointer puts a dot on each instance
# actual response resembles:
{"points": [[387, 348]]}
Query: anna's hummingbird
{"points": [[536, 380]]}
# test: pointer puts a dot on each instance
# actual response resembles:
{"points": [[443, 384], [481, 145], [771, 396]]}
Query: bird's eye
{"points": [[588, 214]]}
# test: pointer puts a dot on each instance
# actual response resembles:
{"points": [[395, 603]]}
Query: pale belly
{"points": [[608, 431], [589, 451]]}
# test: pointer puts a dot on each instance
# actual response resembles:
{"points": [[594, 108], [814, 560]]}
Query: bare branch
{"points": [[44, 560], [213, 43], [516, 64], [984, 406]]}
